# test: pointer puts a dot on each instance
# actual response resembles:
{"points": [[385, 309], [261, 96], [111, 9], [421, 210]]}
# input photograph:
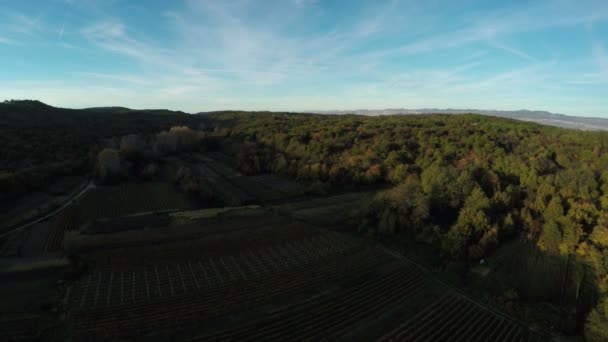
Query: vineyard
{"points": [[237, 188], [271, 280], [229, 193], [113, 202], [454, 318]]}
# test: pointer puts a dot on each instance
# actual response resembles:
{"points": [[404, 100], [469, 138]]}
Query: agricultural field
{"points": [[268, 277], [279, 270], [246, 189], [26, 308], [114, 202], [229, 193], [29, 208], [336, 210]]}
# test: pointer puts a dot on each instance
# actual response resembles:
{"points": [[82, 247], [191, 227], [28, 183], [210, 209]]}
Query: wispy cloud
{"points": [[312, 53], [600, 74], [601, 56], [132, 79], [26, 28], [6, 41], [21, 23], [541, 15], [105, 30], [303, 3], [425, 79], [511, 50]]}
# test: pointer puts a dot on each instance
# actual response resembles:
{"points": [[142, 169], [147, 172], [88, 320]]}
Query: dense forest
{"points": [[465, 184]]}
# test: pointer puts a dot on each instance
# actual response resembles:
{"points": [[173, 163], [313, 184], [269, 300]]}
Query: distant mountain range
{"points": [[36, 110], [541, 117]]}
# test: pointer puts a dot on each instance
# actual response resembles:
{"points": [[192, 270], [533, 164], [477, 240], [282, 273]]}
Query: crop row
{"points": [[69, 219], [219, 166], [333, 315], [455, 318], [121, 285], [265, 188], [230, 243], [192, 310], [230, 194], [131, 199], [109, 202]]}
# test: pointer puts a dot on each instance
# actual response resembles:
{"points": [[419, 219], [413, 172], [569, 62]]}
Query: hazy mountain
{"points": [[541, 117]]}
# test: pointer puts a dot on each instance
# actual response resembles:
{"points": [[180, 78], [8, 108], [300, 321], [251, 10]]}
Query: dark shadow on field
{"points": [[537, 286]]}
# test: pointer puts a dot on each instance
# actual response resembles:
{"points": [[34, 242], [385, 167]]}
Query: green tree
{"points": [[597, 322], [472, 217], [571, 234], [554, 210], [551, 237]]}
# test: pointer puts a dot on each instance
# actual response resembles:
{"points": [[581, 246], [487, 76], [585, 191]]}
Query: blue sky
{"points": [[299, 55]]}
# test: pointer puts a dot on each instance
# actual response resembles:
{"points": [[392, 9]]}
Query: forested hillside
{"points": [[40, 143], [464, 183]]}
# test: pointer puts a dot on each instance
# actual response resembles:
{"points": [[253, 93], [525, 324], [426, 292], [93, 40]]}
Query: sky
{"points": [[304, 55]]}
